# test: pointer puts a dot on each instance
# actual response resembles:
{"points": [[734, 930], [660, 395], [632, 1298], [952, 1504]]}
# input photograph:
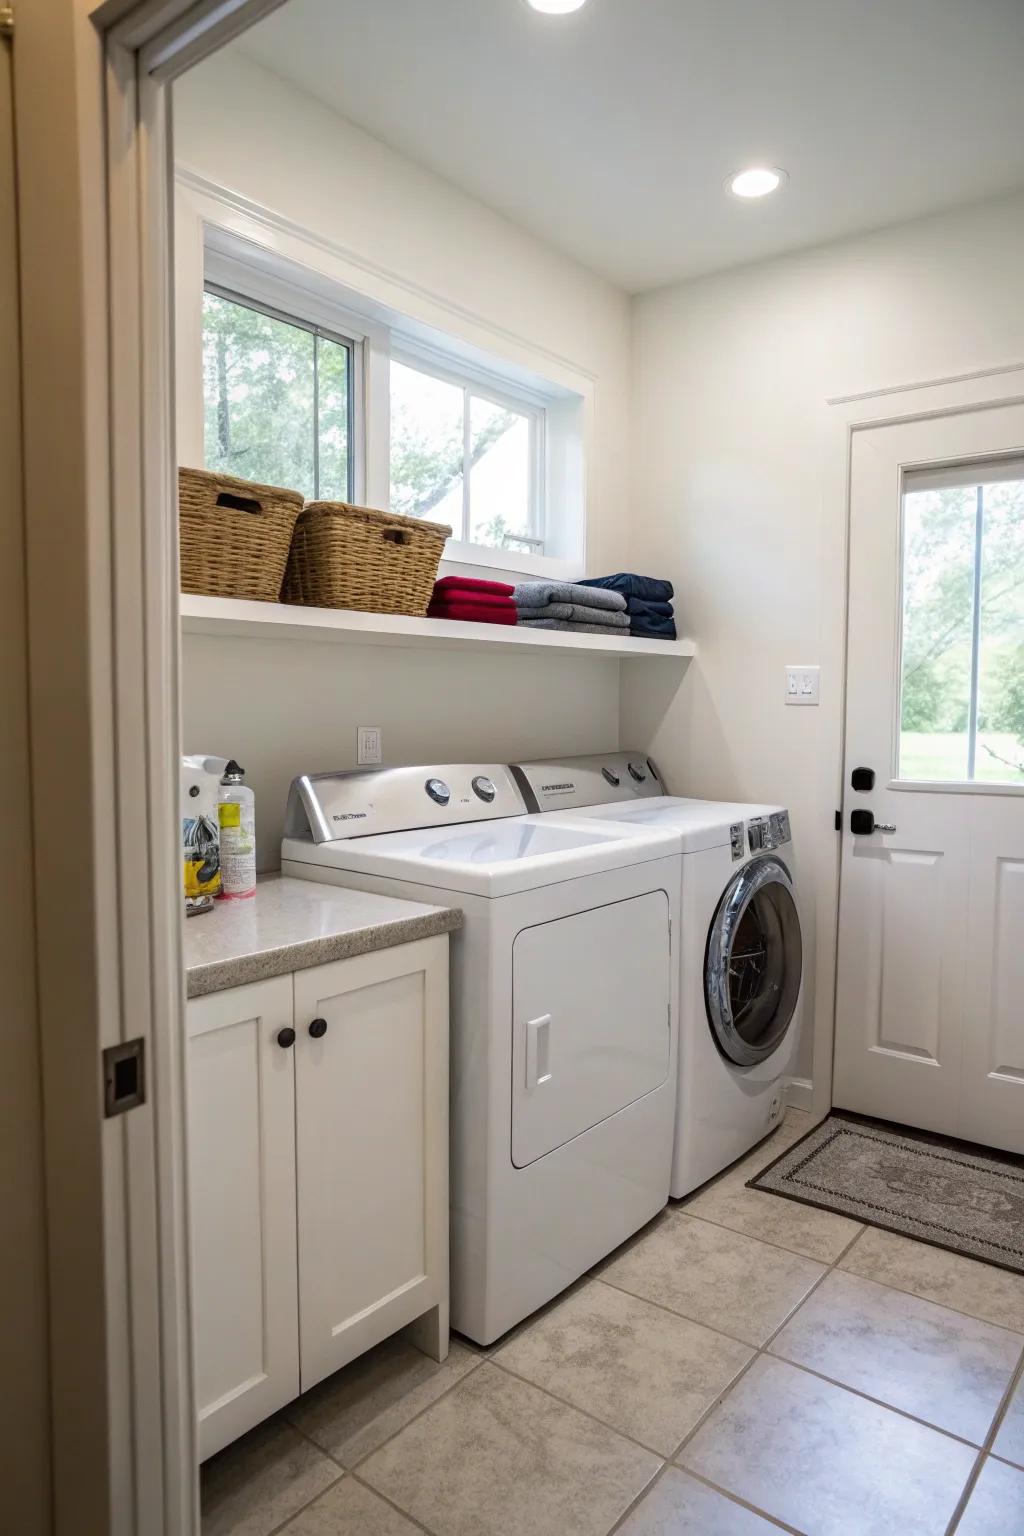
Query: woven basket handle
{"points": [[238, 503], [395, 535]]}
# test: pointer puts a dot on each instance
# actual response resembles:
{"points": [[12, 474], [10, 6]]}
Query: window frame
{"points": [[971, 474], [270, 281], [476, 382]]}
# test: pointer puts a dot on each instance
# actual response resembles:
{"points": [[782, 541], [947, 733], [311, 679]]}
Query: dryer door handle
{"points": [[538, 1041]]}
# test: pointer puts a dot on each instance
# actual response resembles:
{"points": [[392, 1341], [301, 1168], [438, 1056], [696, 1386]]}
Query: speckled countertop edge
{"points": [[221, 972]]}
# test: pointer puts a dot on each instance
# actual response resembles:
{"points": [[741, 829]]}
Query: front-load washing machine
{"points": [[740, 947], [563, 1001]]}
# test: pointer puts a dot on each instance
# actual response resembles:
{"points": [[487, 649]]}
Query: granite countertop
{"points": [[292, 924]]}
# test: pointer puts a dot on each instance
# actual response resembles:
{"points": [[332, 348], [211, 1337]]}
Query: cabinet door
{"points": [[372, 1142], [241, 1118]]}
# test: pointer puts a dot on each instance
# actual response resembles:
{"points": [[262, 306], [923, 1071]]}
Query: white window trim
{"points": [[251, 252]]}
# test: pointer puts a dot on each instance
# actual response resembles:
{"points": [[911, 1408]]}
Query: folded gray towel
{"points": [[578, 613], [576, 629], [535, 594]]}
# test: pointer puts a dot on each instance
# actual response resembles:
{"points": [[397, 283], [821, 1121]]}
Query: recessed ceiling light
{"points": [[556, 7], [758, 181]]}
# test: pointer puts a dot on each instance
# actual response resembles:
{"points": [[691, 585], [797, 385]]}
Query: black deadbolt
{"points": [[285, 1038], [863, 778], [862, 822], [318, 1028]]}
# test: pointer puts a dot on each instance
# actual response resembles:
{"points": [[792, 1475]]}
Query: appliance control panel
{"points": [[767, 832], [571, 783], [326, 806]]}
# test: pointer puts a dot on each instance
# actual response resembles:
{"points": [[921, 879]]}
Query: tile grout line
{"points": [[986, 1450]]}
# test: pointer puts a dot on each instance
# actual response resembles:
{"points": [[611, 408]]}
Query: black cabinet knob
{"points": [[318, 1028], [285, 1038]]}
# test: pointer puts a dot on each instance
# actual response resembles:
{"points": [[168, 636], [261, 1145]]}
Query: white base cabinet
{"points": [[318, 1154]]}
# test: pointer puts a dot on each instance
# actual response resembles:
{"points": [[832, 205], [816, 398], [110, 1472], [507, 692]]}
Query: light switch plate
{"points": [[803, 685], [368, 745]]}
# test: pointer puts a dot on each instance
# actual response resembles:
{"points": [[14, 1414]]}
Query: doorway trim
{"points": [[94, 179], [1002, 384]]}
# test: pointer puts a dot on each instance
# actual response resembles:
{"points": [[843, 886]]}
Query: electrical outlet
{"points": [[368, 745], [803, 685]]}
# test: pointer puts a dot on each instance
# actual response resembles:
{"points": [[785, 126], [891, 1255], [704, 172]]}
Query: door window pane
{"points": [[962, 670], [1000, 747], [276, 400]]}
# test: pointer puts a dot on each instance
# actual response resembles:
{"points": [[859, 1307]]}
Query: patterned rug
{"points": [[938, 1191]]}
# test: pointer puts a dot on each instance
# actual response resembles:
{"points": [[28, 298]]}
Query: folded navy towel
{"points": [[652, 627], [577, 613], [535, 594], [630, 585], [575, 629], [637, 605]]}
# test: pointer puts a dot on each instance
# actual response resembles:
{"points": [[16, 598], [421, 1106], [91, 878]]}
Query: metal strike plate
{"points": [[124, 1077]]}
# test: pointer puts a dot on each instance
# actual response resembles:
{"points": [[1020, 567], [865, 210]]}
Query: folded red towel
{"points": [[449, 585], [475, 613], [478, 599]]}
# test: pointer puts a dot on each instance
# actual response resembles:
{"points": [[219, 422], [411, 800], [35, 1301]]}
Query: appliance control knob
{"points": [[318, 1028], [483, 787], [636, 773], [438, 791], [611, 778]]}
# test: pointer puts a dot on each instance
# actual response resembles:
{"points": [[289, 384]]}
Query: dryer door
{"points": [[590, 1021], [753, 963]]}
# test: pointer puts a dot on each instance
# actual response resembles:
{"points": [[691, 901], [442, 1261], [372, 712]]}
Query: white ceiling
{"points": [[609, 133]]}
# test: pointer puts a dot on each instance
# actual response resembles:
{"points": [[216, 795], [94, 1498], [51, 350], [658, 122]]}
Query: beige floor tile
{"points": [[1009, 1442], [357, 1409], [641, 1369], [827, 1461], [349, 1509], [801, 1228], [966, 1285], [713, 1276], [678, 1505], [939, 1365], [498, 1457], [255, 1484], [996, 1507]]}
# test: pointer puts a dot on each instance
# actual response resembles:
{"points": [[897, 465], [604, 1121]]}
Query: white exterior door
{"points": [[371, 1062], [241, 1090], [929, 1021]]}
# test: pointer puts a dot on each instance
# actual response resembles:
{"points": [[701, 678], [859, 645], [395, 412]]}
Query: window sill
{"points": [[506, 564]]}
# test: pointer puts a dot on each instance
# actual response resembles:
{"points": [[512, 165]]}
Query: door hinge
{"points": [[6, 20], [839, 821]]}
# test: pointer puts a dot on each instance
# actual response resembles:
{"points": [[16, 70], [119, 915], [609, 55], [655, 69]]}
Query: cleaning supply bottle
{"points": [[236, 814]]}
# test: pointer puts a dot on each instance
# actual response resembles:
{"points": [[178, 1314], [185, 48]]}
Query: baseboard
{"points": [[800, 1093]]}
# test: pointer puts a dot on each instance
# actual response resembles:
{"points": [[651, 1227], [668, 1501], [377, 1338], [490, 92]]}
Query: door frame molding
{"points": [[1002, 384], [94, 179]]}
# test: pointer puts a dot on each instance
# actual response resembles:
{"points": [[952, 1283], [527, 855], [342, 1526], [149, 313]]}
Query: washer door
{"points": [[753, 964]]}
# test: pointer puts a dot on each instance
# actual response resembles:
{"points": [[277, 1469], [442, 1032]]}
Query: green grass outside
{"points": [[942, 756]]}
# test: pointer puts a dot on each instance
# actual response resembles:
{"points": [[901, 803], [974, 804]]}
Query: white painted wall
{"points": [[283, 708], [734, 494]]}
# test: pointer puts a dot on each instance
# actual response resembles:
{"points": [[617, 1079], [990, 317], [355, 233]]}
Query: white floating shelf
{"points": [[279, 621]]}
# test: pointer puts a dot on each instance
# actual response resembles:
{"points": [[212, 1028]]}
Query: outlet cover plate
{"points": [[368, 745]]}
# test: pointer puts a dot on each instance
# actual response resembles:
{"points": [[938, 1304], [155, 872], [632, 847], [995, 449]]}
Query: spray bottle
{"points": [[236, 814]]}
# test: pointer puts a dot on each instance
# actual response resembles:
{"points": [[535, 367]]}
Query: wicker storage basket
{"points": [[353, 557], [235, 535]]}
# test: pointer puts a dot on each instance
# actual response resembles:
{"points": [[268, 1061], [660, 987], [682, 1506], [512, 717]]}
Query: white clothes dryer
{"points": [[740, 948], [563, 999]]}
